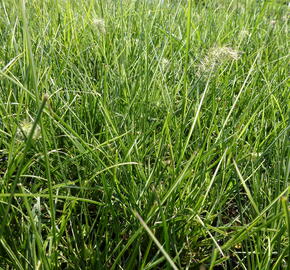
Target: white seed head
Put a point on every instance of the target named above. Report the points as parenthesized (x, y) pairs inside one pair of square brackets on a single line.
[(100, 25), (165, 63), (223, 54), (217, 56), (25, 128), (244, 34), (256, 155)]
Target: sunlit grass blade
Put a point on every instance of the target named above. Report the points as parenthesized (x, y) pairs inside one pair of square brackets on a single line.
[(152, 236)]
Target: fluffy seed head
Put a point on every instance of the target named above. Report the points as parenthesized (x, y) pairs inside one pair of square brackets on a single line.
[(216, 57), (24, 130), (100, 25), (244, 34), (165, 63)]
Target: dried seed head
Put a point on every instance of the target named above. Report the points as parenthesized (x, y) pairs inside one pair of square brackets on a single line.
[(100, 25), (24, 130), (165, 63), (216, 57), (244, 34)]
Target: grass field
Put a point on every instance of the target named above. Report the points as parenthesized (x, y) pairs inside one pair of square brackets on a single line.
[(144, 134)]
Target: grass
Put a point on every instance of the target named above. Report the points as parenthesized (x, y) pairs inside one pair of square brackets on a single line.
[(144, 134)]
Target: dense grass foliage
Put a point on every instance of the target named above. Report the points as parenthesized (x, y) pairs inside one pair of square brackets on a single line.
[(144, 134)]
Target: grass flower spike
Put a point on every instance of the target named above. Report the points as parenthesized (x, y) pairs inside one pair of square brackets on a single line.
[(25, 128), (216, 57), (165, 63), (100, 25)]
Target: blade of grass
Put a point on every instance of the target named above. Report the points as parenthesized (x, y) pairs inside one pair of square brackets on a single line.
[(152, 236), (11, 254), (286, 209), (246, 189), (21, 162)]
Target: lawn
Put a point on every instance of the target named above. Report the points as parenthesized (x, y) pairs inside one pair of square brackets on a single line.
[(144, 134)]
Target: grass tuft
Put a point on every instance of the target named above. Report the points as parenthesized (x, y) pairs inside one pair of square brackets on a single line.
[(144, 134)]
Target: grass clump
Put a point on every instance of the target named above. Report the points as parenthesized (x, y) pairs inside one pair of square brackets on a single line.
[(158, 135)]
